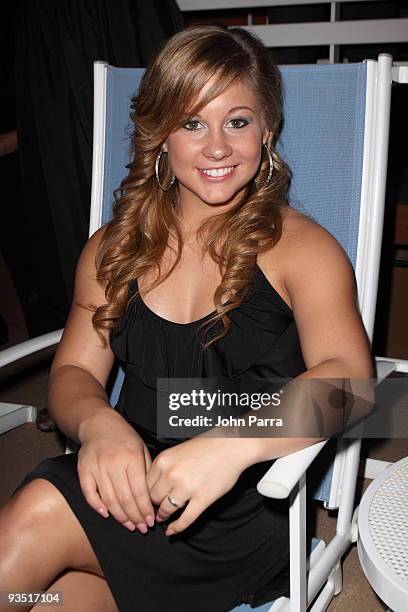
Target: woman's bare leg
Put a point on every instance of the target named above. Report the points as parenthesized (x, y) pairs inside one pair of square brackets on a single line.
[(40, 537), (82, 592)]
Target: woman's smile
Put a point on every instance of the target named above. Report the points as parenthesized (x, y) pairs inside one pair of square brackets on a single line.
[(216, 175)]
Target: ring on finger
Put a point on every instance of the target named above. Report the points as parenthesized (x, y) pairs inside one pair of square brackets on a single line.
[(174, 502)]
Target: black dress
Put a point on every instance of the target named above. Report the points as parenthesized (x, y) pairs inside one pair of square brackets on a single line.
[(238, 548)]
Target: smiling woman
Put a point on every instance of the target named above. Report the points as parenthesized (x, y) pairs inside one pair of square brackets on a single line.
[(204, 272), (224, 148)]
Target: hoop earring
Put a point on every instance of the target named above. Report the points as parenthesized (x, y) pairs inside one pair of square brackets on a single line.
[(157, 173), (271, 168)]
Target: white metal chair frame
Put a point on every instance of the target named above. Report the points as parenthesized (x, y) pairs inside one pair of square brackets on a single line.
[(287, 476)]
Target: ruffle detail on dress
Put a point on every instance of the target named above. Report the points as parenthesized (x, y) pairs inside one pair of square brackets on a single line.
[(262, 335)]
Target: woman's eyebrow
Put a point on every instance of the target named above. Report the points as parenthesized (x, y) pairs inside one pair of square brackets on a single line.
[(234, 108)]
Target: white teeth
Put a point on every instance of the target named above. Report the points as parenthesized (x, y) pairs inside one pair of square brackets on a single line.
[(218, 172)]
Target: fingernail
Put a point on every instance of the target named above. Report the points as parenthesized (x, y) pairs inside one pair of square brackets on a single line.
[(104, 512), (142, 527), (169, 532), (149, 520), (131, 526), (158, 519)]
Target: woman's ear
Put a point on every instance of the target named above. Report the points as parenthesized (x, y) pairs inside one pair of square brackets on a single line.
[(164, 148)]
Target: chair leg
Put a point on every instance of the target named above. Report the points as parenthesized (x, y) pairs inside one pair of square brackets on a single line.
[(325, 596), (336, 578), (297, 534), (332, 587)]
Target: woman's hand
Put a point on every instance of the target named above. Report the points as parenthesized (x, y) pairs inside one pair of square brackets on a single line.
[(112, 464), (197, 472)]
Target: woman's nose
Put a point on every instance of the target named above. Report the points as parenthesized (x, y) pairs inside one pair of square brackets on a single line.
[(217, 146)]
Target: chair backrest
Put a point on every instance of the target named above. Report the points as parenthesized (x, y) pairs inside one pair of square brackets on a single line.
[(334, 139)]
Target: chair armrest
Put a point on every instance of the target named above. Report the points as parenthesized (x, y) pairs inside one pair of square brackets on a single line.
[(286, 472), (28, 347), (386, 365)]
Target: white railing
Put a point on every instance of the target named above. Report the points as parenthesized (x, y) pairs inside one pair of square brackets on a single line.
[(331, 33), (363, 31), (210, 5)]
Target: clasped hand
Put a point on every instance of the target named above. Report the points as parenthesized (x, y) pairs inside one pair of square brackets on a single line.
[(196, 472), (117, 474)]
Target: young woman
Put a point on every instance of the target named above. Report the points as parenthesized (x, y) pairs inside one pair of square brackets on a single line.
[(204, 271)]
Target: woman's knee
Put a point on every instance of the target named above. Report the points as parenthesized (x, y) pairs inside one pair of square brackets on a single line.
[(35, 504), (29, 507), (33, 518)]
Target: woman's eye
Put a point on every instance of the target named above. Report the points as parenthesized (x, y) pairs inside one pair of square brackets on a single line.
[(190, 123), (244, 121), (194, 121)]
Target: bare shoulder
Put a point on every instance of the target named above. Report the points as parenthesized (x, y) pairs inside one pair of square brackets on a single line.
[(301, 235), (90, 249), (306, 248), (86, 285), (305, 251)]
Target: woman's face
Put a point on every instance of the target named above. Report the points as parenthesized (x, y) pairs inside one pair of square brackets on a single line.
[(226, 138)]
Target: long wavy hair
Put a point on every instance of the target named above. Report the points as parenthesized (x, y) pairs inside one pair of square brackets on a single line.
[(144, 215)]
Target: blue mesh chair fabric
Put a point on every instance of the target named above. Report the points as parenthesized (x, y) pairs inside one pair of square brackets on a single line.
[(325, 153), (121, 84)]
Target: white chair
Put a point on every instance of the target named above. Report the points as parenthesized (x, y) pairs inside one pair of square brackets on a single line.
[(338, 159)]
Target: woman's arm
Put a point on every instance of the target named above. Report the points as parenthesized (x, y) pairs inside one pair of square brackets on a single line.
[(81, 366), (112, 458), (319, 279)]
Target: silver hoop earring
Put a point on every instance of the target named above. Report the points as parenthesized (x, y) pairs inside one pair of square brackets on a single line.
[(157, 173), (271, 168)]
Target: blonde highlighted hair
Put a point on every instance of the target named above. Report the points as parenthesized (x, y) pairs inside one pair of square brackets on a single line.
[(144, 215)]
